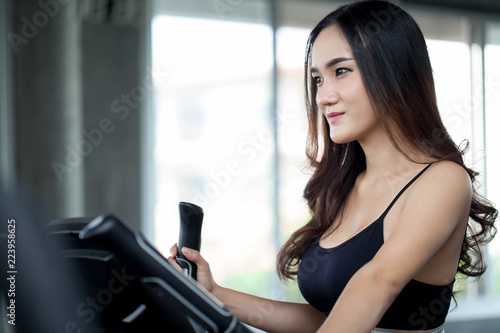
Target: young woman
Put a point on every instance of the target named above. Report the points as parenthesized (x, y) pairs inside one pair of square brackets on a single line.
[(394, 212)]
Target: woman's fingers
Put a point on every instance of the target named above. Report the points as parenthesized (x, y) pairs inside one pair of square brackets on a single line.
[(173, 250), (194, 256), (204, 275), (171, 260)]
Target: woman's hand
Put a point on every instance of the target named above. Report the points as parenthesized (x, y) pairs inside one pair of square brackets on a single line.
[(204, 274)]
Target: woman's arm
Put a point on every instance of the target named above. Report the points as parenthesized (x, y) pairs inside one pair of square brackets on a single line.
[(438, 204), (271, 316), (268, 315)]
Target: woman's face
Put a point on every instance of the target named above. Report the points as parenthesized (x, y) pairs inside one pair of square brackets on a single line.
[(341, 94)]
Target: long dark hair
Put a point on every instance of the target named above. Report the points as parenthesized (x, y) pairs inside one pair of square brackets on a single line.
[(391, 53)]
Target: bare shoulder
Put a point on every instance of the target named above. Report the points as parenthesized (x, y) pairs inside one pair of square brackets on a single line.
[(445, 181), (448, 173)]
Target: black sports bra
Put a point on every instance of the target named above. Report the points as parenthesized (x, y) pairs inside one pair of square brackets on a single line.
[(324, 273)]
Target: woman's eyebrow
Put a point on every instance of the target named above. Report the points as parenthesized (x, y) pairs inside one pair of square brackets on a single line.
[(331, 63)]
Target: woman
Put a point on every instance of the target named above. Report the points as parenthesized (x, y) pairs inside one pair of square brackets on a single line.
[(391, 199)]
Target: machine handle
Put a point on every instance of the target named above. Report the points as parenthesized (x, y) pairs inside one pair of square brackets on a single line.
[(191, 220)]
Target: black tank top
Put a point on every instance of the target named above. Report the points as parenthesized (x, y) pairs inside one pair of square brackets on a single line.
[(324, 273)]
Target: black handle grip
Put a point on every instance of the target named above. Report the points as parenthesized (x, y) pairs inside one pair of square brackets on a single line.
[(191, 219)]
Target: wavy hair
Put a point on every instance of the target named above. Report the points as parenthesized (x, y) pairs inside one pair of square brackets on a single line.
[(392, 56)]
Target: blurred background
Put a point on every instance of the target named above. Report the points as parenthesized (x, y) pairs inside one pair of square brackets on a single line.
[(131, 106)]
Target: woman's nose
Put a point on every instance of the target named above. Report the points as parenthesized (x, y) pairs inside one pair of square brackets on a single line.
[(326, 96)]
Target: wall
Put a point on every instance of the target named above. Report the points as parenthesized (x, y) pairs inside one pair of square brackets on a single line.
[(79, 78)]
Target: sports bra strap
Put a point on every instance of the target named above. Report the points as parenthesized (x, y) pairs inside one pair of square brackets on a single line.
[(402, 191)]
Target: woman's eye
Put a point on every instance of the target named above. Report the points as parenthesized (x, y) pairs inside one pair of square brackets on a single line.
[(317, 80), (341, 71)]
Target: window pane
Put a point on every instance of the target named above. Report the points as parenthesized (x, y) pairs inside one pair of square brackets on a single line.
[(454, 102), (214, 141), (492, 95), (291, 43)]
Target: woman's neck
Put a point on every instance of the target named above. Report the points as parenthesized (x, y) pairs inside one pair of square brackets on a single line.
[(383, 159)]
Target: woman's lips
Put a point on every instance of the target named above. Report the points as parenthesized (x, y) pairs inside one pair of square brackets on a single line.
[(334, 116)]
